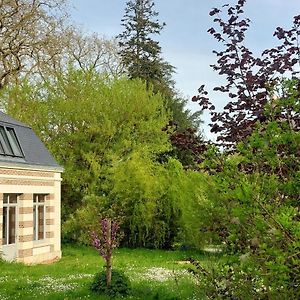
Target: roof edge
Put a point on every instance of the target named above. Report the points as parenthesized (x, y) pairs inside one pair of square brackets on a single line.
[(15, 124), (7, 119), (31, 167)]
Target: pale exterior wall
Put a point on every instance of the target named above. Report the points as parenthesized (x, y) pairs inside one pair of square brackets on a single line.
[(28, 182)]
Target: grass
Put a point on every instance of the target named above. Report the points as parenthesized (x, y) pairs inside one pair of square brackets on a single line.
[(154, 274)]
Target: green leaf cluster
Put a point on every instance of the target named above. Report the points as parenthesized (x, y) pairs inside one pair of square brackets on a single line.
[(254, 204)]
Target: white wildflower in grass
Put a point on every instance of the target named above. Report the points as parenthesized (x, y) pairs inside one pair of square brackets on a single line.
[(3, 279), (29, 281), (49, 284), (3, 297), (162, 274), (79, 276)]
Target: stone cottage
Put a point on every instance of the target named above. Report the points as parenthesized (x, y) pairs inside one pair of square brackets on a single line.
[(30, 181)]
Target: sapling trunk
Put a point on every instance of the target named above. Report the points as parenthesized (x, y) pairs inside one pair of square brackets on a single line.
[(108, 272), (109, 255)]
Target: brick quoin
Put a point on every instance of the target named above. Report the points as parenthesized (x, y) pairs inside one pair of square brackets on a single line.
[(26, 182), (49, 235), (25, 210), (25, 253), (25, 224), (26, 238), (26, 173)]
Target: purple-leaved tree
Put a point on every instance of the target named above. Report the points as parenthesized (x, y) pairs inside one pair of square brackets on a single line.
[(250, 79), (106, 242)]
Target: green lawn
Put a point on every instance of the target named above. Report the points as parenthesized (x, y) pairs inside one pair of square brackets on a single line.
[(154, 274)]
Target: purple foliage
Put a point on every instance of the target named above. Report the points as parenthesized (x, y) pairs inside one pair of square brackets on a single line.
[(108, 239), (250, 79)]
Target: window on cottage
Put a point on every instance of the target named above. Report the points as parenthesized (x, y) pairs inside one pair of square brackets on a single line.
[(1, 149), (9, 144), (39, 216), (9, 219), (14, 142)]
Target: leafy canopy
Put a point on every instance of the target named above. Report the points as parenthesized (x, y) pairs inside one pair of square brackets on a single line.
[(90, 123)]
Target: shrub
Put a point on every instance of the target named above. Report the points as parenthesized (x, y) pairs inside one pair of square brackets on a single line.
[(119, 286), (254, 209)]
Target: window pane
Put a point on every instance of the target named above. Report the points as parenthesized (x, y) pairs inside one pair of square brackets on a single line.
[(41, 218), (14, 142), (34, 222), (4, 226), (12, 225), (5, 142), (1, 148), (5, 198), (41, 198), (13, 198)]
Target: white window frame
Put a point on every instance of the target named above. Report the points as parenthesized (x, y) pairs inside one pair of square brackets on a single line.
[(36, 205), (9, 142), (9, 205)]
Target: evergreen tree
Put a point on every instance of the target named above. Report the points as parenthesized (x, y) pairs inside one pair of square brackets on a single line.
[(140, 54)]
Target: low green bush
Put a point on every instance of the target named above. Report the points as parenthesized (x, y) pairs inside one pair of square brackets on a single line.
[(120, 284)]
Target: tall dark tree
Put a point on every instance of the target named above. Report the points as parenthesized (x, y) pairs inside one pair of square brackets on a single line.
[(140, 53), (141, 56)]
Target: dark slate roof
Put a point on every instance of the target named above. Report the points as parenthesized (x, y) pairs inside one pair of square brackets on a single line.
[(35, 152), (9, 120)]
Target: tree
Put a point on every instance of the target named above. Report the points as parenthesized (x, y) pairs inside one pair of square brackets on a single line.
[(29, 36), (90, 52), (140, 54), (112, 283), (107, 133), (254, 209), (250, 80), (89, 123), (254, 203), (37, 41), (105, 244)]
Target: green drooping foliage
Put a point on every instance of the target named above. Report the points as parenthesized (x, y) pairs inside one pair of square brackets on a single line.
[(169, 205), (108, 136), (90, 123), (156, 203), (254, 209)]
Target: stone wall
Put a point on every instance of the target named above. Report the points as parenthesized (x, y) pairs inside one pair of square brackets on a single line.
[(26, 183)]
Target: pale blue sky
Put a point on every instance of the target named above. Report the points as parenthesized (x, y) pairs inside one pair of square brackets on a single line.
[(184, 40)]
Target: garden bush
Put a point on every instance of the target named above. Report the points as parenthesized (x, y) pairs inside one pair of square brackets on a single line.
[(119, 286), (254, 211), (254, 199)]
